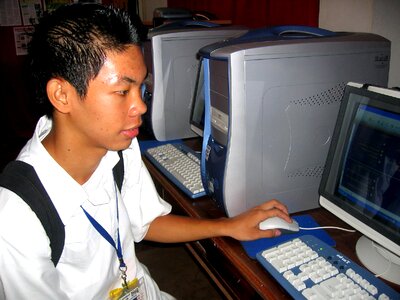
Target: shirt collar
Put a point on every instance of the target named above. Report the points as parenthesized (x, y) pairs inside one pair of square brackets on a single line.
[(66, 194)]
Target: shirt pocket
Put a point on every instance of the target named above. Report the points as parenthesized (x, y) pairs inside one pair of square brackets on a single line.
[(83, 244)]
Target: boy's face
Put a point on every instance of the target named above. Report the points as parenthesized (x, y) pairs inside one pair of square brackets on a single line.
[(110, 115)]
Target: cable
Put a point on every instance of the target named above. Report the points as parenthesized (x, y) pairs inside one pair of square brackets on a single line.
[(327, 227)]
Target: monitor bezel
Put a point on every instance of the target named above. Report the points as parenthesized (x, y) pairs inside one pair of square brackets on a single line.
[(370, 228), (195, 126)]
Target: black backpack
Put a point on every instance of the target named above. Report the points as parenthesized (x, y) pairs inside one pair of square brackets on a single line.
[(21, 178)]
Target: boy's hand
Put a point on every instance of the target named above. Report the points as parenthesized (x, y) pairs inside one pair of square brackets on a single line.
[(244, 227)]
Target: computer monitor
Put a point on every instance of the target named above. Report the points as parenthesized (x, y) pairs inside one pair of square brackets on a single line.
[(197, 111), (361, 180)]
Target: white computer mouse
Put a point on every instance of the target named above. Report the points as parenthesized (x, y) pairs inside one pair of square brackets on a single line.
[(278, 223)]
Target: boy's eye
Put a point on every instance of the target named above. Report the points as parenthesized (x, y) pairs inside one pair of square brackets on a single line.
[(123, 92)]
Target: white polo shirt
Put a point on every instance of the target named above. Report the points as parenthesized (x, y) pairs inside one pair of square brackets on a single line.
[(88, 267)]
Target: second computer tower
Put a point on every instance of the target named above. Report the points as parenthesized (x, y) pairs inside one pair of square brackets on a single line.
[(171, 58)]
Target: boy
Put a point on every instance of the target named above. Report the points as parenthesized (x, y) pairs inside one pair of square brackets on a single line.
[(87, 69)]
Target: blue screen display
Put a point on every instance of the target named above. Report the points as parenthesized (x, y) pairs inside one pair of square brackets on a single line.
[(370, 176)]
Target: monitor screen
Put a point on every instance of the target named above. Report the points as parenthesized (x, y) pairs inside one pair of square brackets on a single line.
[(361, 180), (197, 110)]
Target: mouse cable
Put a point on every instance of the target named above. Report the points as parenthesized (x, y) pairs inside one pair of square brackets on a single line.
[(327, 227)]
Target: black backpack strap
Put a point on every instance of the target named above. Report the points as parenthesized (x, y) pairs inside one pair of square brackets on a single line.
[(118, 171), (22, 179)]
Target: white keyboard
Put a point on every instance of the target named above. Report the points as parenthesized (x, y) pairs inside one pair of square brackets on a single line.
[(181, 165), (308, 268)]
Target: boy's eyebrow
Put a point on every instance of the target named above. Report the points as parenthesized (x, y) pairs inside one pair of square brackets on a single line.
[(128, 79)]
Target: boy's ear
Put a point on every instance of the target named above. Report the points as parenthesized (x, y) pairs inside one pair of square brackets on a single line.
[(60, 94)]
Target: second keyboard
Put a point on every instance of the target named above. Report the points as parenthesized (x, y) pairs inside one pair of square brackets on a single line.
[(180, 164)]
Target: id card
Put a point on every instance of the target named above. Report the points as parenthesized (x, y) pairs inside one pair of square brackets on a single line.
[(135, 290)]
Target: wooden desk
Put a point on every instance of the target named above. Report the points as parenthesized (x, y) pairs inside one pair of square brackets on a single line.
[(233, 271)]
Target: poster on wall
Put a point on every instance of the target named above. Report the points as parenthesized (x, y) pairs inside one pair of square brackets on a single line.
[(31, 11), (22, 38)]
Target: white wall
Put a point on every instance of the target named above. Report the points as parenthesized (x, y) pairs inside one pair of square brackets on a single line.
[(376, 16)]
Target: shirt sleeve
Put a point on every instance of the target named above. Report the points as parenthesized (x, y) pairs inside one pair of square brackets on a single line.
[(27, 271), (139, 194)]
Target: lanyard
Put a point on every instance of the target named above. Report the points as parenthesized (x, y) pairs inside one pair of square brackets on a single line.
[(100, 229)]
